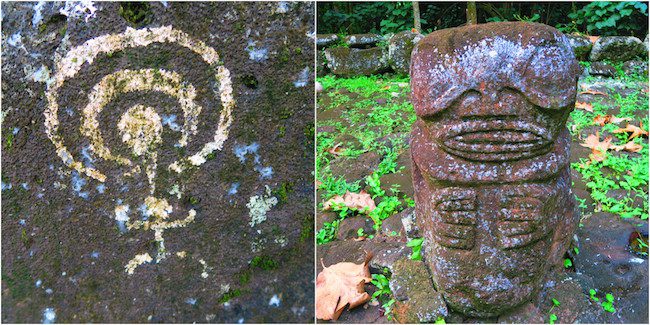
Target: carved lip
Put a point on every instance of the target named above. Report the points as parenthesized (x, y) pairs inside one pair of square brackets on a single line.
[(496, 140)]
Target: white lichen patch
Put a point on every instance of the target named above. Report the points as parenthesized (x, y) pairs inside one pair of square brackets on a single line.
[(259, 205), (303, 78), (137, 261), (204, 273), (78, 9), (49, 316)]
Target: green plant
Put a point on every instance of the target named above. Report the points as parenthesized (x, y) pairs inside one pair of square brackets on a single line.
[(611, 18), (383, 293), (592, 295), (608, 304), (416, 246), (567, 263)]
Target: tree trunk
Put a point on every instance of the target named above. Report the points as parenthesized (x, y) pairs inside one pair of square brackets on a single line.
[(416, 16), (471, 13)]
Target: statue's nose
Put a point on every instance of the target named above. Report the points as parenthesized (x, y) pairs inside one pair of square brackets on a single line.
[(503, 103)]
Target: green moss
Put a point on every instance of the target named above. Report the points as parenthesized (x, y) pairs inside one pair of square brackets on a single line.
[(282, 192), (137, 14), (245, 277), (10, 140), (264, 262), (19, 282), (229, 295), (249, 81), (307, 228)]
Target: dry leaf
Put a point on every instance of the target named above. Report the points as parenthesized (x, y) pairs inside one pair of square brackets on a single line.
[(593, 92), (336, 150), (586, 106), (598, 148), (339, 285), (593, 39), (357, 201), (605, 119), (635, 130), (630, 146)]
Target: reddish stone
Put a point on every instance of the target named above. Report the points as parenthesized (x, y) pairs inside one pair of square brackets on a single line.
[(490, 157)]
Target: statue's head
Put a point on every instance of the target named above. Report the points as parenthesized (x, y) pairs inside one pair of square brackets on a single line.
[(490, 151), (494, 92)]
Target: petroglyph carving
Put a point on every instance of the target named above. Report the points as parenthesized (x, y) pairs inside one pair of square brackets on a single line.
[(140, 126)]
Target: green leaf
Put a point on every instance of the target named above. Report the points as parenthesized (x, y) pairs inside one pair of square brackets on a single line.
[(552, 318), (567, 263), (555, 302)]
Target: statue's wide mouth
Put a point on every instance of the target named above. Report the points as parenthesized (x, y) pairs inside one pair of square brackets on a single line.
[(496, 140)]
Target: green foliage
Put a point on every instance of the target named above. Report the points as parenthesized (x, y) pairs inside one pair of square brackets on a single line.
[(592, 295), (416, 246), (552, 318), (608, 304), (567, 263), (383, 293), (440, 320), (607, 18)]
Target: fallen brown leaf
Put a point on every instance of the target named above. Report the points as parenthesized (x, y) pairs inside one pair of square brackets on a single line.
[(340, 285), (357, 201), (605, 119), (593, 92), (593, 39), (586, 106), (630, 146), (635, 130), (336, 150), (598, 148)]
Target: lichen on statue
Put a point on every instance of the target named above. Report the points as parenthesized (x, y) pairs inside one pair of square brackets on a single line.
[(490, 153)]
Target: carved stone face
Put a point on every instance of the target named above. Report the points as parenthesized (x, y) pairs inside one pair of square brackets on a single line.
[(485, 96), (490, 160)]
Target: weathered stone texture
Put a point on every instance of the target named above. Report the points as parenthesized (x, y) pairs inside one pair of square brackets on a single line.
[(348, 62), (400, 46), (363, 40), (581, 46), (69, 237), (325, 40), (490, 157), (617, 49)]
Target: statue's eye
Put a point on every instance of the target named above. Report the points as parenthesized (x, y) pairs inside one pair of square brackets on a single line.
[(470, 99)]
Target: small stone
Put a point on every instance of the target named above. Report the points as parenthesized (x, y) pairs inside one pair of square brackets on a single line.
[(349, 62), (363, 40), (617, 48), (417, 300), (581, 46), (325, 40), (602, 69), (636, 67), (399, 50)]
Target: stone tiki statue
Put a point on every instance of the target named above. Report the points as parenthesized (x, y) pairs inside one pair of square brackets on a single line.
[(490, 157)]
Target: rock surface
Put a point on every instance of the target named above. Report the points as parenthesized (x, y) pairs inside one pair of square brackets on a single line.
[(247, 253), (400, 46), (363, 40), (417, 300), (348, 62), (325, 40), (636, 67), (581, 46), (602, 69), (617, 49)]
